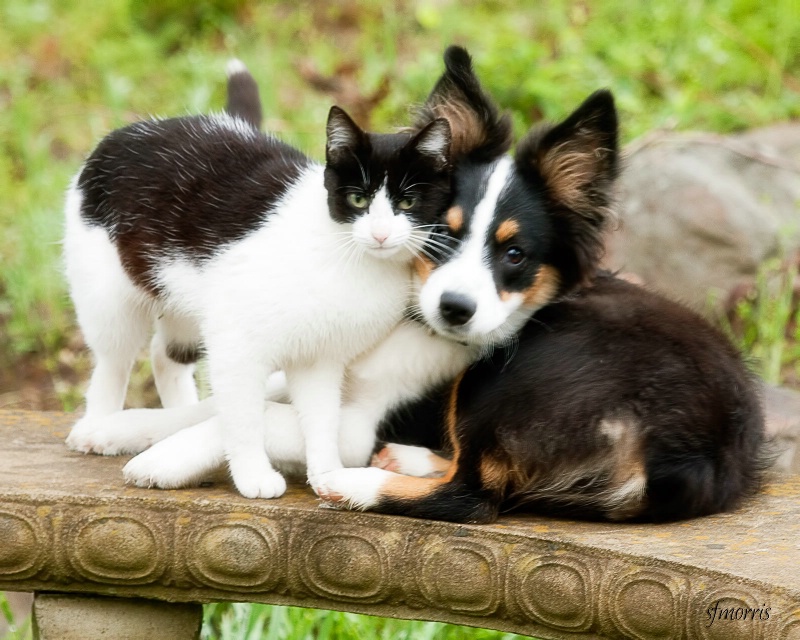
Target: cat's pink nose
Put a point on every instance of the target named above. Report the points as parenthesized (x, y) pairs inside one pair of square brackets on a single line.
[(380, 236)]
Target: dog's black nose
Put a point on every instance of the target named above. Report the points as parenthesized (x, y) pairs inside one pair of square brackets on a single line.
[(456, 308)]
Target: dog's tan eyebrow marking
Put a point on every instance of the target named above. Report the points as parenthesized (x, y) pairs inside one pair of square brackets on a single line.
[(544, 287), (455, 218), (506, 230), (423, 267)]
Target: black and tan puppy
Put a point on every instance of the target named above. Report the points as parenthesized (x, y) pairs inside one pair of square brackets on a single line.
[(608, 401)]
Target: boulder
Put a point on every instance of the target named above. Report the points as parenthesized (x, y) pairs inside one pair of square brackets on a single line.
[(701, 212)]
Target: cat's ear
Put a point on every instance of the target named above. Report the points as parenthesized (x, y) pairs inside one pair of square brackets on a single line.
[(344, 135), (433, 143)]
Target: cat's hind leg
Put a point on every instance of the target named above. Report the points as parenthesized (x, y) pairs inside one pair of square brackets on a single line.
[(174, 349), (134, 430), (114, 316), (183, 459)]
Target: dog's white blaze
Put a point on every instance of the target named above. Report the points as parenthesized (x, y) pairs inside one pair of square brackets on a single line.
[(469, 273)]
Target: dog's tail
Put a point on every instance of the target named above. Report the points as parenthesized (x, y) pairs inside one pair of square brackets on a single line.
[(243, 100), (685, 486)]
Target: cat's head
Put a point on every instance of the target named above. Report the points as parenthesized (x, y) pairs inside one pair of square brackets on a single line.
[(391, 188)]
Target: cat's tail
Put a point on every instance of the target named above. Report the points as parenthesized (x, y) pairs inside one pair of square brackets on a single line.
[(243, 100)]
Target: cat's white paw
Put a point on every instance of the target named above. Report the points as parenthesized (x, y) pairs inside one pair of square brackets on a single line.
[(270, 484), (111, 442), (254, 479), (80, 436), (103, 436), (157, 468), (355, 488), (408, 461)]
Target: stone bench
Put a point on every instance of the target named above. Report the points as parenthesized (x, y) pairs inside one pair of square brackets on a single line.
[(71, 531)]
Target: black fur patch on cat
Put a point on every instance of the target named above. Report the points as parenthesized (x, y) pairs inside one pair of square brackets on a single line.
[(183, 186), (185, 353), (409, 165)]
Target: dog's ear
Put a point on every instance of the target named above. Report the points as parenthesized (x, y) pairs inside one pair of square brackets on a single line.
[(433, 143), (479, 131), (577, 159), (344, 135), (576, 162)]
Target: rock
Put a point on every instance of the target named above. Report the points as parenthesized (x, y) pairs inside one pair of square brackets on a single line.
[(701, 212), (782, 408)]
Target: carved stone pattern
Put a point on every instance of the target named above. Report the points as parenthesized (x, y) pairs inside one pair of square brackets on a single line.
[(790, 630), (556, 591), (729, 597), (512, 582), (24, 543), (461, 575), (115, 546), (647, 603), (233, 554), (343, 563)]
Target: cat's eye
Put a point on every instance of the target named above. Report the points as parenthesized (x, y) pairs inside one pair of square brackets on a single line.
[(514, 256), (406, 203), (358, 200)]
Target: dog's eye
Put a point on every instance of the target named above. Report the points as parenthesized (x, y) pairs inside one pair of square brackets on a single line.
[(358, 200), (514, 256), (406, 203)]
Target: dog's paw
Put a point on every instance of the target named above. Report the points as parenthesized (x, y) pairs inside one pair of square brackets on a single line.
[(354, 488), (409, 461)]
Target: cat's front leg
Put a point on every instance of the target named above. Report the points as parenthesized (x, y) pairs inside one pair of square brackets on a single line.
[(238, 385), (316, 394)]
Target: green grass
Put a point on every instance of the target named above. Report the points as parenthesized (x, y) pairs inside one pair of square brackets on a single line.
[(17, 629), (264, 622), (72, 71)]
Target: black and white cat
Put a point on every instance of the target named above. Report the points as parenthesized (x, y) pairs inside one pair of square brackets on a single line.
[(233, 242), (410, 363)]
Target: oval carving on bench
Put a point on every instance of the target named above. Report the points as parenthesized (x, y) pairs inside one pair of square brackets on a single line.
[(464, 576), (648, 603), (117, 548), (20, 548), (555, 591), (233, 555), (726, 629), (345, 566)]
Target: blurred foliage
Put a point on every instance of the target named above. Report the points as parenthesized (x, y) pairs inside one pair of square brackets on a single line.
[(72, 71), (765, 321)]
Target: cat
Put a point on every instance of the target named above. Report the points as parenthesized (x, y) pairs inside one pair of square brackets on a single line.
[(234, 243), (407, 365)]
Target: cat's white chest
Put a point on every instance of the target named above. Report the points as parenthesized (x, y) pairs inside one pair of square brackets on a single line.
[(298, 283)]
